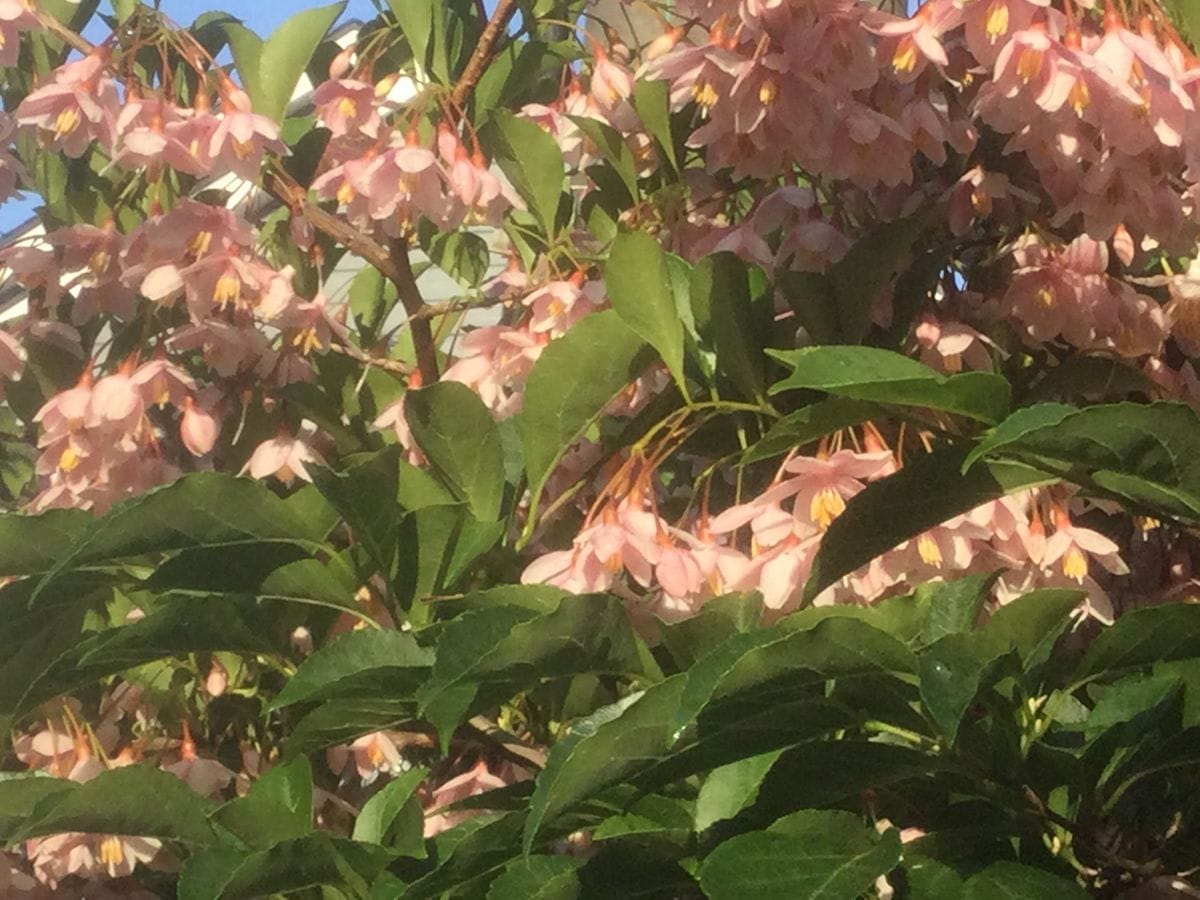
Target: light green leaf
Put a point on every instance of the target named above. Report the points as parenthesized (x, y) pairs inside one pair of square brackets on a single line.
[(382, 818), (881, 376), (278, 807), (731, 788), (573, 380), (639, 287), (532, 161), (286, 54)]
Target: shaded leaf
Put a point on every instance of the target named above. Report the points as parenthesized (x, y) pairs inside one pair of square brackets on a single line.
[(639, 287)]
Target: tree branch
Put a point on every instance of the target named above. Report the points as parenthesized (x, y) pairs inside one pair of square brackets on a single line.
[(392, 261), (482, 55)]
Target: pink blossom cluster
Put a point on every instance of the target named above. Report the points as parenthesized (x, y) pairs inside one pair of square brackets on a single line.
[(768, 543), (82, 107), (386, 177)]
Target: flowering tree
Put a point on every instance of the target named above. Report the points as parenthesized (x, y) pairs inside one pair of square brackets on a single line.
[(794, 499)]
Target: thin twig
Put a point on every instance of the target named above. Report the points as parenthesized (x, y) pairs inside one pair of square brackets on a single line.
[(392, 262), (482, 55)]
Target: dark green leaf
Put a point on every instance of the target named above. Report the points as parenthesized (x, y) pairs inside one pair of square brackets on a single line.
[(731, 788), (364, 495), (363, 663), (728, 320), (380, 815), (278, 807), (1010, 881), (860, 276), (538, 878), (1140, 639), (459, 437), (134, 800), (952, 671), (817, 855), (808, 424)]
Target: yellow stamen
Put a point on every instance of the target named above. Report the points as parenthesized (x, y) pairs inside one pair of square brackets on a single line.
[(1045, 297), (346, 193), (1029, 64), (929, 551), (905, 57), (767, 92), (347, 107), (242, 149), (99, 262), (1074, 564), (827, 504), (111, 852), (996, 24), (306, 340), (705, 95), (200, 243), (981, 202), (1079, 97), (228, 290), (66, 122), (69, 460)]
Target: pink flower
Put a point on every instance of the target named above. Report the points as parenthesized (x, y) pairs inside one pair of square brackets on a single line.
[(15, 17), (77, 108), (475, 781), (373, 754), (347, 105), (243, 137), (12, 357), (946, 346), (198, 428), (1073, 545), (283, 457)]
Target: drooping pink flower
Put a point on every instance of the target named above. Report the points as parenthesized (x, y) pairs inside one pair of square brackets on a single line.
[(284, 456), (346, 105), (78, 108), (373, 755), (198, 428), (243, 137), (476, 780)]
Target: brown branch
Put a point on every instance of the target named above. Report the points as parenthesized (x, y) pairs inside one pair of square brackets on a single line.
[(482, 55), (63, 33), (392, 262)]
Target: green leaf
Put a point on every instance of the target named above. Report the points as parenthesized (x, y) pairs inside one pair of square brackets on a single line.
[(952, 607), (487, 655), (1148, 454), (834, 648), (860, 276), (929, 879), (174, 628), (1032, 624), (286, 54), (532, 161), (364, 495), (1010, 881), (823, 773), (136, 800), (460, 439), (817, 855), (372, 298), (382, 818), (881, 376), (30, 545), (727, 319), (424, 25), (952, 672), (601, 750), (204, 509), (690, 639), (363, 663), (312, 861), (613, 148), (342, 720), (639, 288), (1140, 639), (731, 788), (808, 424), (278, 807), (1018, 425), (23, 792), (247, 48), (925, 493), (651, 100), (573, 380), (538, 878)]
